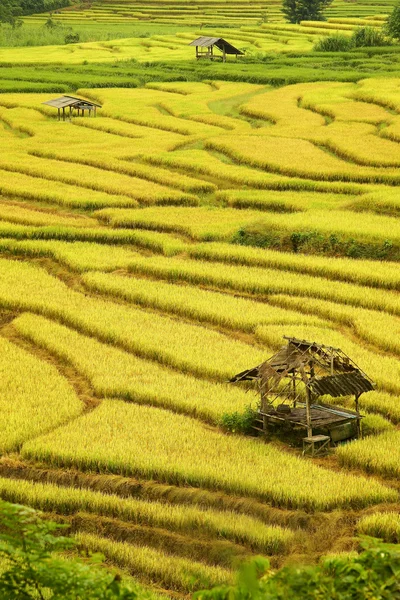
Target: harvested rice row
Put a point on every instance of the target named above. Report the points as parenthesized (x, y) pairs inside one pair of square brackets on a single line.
[(155, 566), (186, 519)]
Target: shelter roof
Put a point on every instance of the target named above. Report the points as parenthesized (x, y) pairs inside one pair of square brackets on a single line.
[(220, 43), (65, 101), (323, 369)]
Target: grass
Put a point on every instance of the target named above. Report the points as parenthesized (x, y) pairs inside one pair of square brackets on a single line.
[(375, 455), (207, 523), (194, 303), (115, 373), (169, 571), (156, 250), (185, 452), (149, 335), (34, 397), (383, 525)]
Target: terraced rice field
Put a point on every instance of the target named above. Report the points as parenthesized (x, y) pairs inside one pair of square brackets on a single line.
[(151, 253), (203, 12), (252, 29)]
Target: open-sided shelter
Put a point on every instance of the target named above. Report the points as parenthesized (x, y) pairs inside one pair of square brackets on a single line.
[(205, 48), (291, 381), (73, 103)]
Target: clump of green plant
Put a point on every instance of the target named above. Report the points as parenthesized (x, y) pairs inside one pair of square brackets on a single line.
[(333, 43), (72, 38), (32, 568), (374, 574), (362, 37), (239, 422), (393, 23)]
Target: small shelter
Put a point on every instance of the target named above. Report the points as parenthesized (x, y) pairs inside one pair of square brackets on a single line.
[(205, 48), (73, 103), (291, 381)]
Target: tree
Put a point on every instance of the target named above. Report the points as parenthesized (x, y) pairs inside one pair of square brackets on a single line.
[(32, 569), (393, 23), (374, 574), (304, 10), (9, 12)]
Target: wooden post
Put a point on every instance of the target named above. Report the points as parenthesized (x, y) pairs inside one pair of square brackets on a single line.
[(223, 54), (308, 413), (63, 113), (359, 433), (294, 387), (59, 116)]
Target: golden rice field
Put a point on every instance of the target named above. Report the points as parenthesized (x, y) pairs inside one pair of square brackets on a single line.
[(151, 253)]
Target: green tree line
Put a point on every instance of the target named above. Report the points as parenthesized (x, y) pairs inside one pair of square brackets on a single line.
[(12, 10)]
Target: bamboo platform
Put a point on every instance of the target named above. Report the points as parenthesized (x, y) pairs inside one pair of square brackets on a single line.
[(322, 416)]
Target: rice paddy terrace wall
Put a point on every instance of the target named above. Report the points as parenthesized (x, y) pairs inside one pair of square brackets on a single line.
[(152, 252)]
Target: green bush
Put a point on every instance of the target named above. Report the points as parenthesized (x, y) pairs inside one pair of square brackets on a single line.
[(369, 37), (374, 574), (393, 23), (32, 569), (239, 422), (362, 37), (334, 43)]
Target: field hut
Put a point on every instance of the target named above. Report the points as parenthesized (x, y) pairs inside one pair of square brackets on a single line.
[(73, 103), (292, 381), (205, 48)]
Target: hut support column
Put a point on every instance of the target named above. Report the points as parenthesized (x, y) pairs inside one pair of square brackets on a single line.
[(308, 413), (359, 434), (223, 55), (63, 113), (59, 116)]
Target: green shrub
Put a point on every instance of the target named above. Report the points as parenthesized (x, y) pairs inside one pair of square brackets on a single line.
[(72, 38), (239, 422), (393, 23), (334, 43), (373, 574), (362, 37), (32, 568), (369, 36)]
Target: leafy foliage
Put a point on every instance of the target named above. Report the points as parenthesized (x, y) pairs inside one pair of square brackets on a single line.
[(393, 23), (333, 43), (375, 573), (362, 37), (31, 568), (237, 422), (369, 37), (11, 10), (304, 10)]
